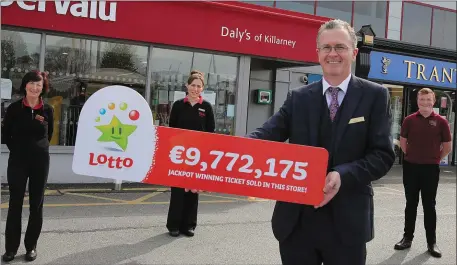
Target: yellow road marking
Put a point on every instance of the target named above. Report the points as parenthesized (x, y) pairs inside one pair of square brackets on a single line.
[(98, 190), (256, 199), (61, 191), (147, 189), (26, 198), (223, 197), (111, 203), (51, 192), (84, 190), (95, 197), (145, 197)]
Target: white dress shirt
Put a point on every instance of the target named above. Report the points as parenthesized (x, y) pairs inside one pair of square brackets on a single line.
[(343, 89)]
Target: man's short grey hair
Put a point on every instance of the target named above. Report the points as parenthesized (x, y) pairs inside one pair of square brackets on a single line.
[(338, 24)]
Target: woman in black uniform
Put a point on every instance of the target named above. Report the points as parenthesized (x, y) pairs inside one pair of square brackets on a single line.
[(191, 113), (27, 129)]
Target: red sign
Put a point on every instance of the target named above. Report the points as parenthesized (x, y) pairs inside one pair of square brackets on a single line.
[(116, 139), (220, 26), (240, 166)]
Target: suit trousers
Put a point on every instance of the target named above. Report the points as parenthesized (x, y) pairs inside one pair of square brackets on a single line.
[(423, 179), (182, 212), (20, 168), (314, 242)]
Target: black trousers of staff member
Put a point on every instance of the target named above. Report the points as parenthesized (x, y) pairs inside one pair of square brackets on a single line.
[(423, 179), (182, 213), (20, 168)]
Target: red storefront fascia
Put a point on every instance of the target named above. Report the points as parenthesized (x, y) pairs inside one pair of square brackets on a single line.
[(232, 27)]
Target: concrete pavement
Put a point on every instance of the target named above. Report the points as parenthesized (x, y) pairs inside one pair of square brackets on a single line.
[(232, 230), (448, 174)]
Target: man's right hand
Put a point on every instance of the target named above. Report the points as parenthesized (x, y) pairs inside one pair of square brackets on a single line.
[(193, 190)]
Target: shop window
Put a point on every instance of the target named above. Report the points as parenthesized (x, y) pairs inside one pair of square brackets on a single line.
[(335, 9), (396, 107), (374, 13), (299, 6), (79, 67), (20, 54), (170, 70), (444, 29), (417, 22)]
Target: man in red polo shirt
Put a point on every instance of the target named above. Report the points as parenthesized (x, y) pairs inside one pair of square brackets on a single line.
[(425, 139)]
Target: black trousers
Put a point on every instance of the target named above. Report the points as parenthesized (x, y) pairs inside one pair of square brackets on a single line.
[(182, 213), (20, 168), (314, 242), (423, 179)]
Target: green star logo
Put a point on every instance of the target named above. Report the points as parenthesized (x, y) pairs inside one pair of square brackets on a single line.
[(116, 132)]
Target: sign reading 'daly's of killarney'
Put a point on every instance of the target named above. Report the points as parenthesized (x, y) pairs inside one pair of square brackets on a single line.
[(116, 139)]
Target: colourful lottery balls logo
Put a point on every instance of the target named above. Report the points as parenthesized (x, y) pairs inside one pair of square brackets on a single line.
[(116, 131)]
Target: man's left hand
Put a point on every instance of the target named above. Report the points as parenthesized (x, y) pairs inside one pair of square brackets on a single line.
[(331, 188)]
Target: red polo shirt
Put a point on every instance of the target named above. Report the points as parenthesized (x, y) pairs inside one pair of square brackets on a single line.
[(425, 136)]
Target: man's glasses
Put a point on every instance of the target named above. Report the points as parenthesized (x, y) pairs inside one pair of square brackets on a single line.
[(338, 48)]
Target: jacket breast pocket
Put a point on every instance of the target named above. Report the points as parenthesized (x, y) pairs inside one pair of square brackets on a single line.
[(357, 126)]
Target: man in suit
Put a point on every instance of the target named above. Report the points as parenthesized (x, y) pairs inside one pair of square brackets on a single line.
[(350, 117)]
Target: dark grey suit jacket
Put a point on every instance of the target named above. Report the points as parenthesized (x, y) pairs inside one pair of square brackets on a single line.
[(363, 152)]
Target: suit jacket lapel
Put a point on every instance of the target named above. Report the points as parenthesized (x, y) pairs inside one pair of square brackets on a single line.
[(314, 109), (351, 101)]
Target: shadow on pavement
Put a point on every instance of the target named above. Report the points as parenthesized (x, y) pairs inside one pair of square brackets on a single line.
[(419, 259), (399, 257), (114, 254)]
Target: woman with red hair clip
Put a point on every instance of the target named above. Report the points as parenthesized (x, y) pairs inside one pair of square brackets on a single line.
[(27, 130)]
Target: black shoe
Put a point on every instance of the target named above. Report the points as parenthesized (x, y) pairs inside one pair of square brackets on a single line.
[(174, 233), (434, 250), (403, 244), (30, 255), (8, 256), (189, 233)]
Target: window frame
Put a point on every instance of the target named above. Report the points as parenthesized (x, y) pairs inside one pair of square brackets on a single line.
[(431, 17), (67, 149), (352, 14)]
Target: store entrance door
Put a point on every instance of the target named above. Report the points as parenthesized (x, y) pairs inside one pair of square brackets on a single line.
[(444, 106), (266, 93)]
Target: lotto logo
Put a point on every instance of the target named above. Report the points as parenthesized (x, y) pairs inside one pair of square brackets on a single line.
[(115, 135)]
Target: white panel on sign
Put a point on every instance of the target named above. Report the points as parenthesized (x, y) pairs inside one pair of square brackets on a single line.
[(209, 96), (6, 89), (115, 138), (179, 95)]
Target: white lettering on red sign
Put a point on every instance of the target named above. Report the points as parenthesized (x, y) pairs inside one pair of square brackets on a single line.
[(86, 9), (245, 35)]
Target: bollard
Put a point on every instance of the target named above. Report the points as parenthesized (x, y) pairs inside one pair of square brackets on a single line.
[(117, 184)]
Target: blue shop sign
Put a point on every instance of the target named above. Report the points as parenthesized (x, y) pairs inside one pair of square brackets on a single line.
[(314, 78), (406, 69)]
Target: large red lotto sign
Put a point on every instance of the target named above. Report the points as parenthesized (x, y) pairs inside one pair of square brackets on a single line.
[(135, 150), (240, 166)]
